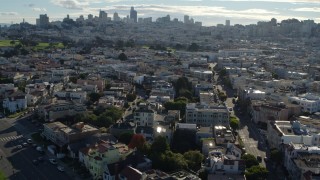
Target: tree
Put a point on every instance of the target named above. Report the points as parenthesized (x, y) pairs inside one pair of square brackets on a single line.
[(193, 47), (2, 176), (234, 123), (73, 79), (131, 97), (185, 93), (137, 141), (125, 137), (180, 105), (94, 97), (194, 159), (122, 57), (222, 96), (256, 173), (250, 160), (104, 121), (160, 145), (173, 161), (276, 156)]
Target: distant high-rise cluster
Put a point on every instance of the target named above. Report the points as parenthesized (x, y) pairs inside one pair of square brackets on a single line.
[(228, 23), (133, 15), (43, 20)]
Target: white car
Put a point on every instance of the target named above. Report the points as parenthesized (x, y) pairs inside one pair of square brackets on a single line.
[(60, 168), (53, 161), (29, 141)]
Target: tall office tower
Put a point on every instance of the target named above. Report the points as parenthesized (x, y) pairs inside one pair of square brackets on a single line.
[(133, 14), (228, 23), (103, 15), (116, 17), (186, 19), (43, 20)]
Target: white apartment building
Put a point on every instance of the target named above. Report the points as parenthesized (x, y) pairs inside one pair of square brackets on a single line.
[(308, 102), (304, 131), (81, 95), (144, 117), (301, 161), (219, 162), (207, 115), (238, 52), (252, 94), (14, 102)]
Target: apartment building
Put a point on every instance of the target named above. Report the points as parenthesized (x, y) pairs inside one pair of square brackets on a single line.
[(14, 102), (219, 162), (97, 157), (302, 162), (61, 134), (309, 102), (304, 131), (144, 117), (207, 115)]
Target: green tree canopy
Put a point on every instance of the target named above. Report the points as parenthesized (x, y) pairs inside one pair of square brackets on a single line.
[(250, 160), (131, 97), (194, 159), (234, 123), (125, 137), (122, 57), (256, 173), (160, 145), (275, 155), (2, 176), (94, 97)]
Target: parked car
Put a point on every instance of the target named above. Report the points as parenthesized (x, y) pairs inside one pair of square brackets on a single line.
[(25, 144), (40, 150), (60, 168), (53, 161), (259, 158), (29, 141), (19, 146)]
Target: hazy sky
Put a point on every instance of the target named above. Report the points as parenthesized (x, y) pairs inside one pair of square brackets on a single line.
[(210, 12)]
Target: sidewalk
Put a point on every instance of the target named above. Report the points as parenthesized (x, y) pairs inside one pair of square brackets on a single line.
[(67, 169), (5, 165)]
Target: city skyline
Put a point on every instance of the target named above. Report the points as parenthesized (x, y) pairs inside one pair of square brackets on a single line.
[(208, 12)]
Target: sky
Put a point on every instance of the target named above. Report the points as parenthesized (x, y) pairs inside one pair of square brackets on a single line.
[(209, 12)]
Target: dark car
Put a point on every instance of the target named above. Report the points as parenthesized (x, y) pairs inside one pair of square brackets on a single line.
[(259, 158)]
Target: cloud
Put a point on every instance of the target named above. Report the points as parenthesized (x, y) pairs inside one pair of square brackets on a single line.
[(39, 9), (69, 4), (74, 4), (280, 1), (8, 13), (30, 5), (307, 9)]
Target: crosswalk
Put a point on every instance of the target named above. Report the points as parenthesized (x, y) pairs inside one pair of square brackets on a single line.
[(9, 138)]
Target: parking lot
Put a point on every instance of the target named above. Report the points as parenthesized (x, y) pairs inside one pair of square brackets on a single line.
[(20, 159)]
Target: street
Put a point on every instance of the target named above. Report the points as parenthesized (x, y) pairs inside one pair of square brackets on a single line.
[(253, 140), (17, 163)]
